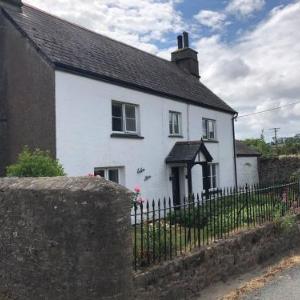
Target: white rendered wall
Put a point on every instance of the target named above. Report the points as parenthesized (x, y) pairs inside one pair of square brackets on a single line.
[(247, 170), (83, 129)]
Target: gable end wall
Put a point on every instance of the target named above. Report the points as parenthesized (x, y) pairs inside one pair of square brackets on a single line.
[(27, 98)]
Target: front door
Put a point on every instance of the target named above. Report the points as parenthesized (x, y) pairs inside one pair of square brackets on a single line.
[(176, 185)]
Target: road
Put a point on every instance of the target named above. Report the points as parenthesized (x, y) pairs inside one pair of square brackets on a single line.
[(285, 287)]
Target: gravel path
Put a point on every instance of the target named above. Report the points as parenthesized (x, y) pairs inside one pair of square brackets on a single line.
[(284, 287)]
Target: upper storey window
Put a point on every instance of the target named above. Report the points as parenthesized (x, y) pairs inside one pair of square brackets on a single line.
[(175, 123), (209, 129), (124, 117)]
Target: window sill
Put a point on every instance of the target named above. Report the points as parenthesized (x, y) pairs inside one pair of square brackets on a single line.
[(176, 136), (210, 141), (126, 136)]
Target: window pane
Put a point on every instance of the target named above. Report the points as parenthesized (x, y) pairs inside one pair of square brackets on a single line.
[(113, 175), (204, 128), (117, 110), (130, 125), (100, 173), (170, 122), (214, 182), (117, 124), (213, 168), (211, 129), (130, 111), (171, 128), (176, 123)]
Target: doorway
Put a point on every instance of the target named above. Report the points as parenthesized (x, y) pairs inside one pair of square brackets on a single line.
[(176, 185)]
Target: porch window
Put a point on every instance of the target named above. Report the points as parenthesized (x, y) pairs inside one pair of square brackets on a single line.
[(211, 178), (124, 117), (111, 174), (209, 129), (174, 123)]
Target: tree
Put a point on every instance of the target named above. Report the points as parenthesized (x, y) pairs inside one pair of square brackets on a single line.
[(36, 163), (261, 146)]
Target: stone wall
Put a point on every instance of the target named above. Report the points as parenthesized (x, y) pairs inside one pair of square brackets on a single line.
[(64, 239), (277, 170), (184, 278)]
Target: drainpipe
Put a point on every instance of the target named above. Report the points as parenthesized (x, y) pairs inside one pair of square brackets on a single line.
[(188, 121), (234, 148)]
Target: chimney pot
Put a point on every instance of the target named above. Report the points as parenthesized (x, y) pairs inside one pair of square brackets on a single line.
[(186, 39), (180, 43)]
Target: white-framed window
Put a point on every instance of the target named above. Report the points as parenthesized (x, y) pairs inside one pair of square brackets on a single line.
[(175, 125), (124, 117), (212, 176), (209, 129), (112, 174)]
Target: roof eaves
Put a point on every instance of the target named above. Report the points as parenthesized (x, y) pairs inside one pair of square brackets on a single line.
[(77, 71)]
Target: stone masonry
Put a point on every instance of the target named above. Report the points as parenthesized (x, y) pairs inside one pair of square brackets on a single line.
[(277, 170), (184, 278), (64, 239)]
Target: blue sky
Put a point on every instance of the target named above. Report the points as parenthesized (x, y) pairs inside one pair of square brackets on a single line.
[(248, 50)]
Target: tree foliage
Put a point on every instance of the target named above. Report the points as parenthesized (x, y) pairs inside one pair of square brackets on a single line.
[(285, 146), (260, 145), (36, 163)]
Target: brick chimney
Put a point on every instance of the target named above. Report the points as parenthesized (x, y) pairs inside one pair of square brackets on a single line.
[(185, 57), (11, 3)]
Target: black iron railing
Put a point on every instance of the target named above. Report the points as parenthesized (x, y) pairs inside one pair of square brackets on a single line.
[(162, 231)]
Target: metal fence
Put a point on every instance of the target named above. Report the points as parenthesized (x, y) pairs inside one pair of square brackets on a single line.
[(162, 231)]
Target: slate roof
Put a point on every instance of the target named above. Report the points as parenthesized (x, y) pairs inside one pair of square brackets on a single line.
[(244, 150), (73, 48), (186, 152)]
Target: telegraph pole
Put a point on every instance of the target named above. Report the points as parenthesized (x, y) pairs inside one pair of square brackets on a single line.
[(275, 137)]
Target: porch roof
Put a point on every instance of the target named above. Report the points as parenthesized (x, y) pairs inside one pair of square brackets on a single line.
[(186, 152)]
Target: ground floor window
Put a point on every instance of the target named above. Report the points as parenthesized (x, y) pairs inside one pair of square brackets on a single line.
[(210, 176), (112, 174)]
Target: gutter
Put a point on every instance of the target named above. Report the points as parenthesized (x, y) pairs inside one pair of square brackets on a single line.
[(234, 148)]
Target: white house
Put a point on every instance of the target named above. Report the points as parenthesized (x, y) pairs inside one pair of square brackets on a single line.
[(247, 164), (102, 106)]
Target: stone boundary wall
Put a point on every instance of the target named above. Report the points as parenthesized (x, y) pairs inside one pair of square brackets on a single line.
[(184, 278), (65, 239), (274, 170)]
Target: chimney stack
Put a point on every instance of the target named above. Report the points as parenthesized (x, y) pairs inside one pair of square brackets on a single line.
[(185, 57), (11, 3)]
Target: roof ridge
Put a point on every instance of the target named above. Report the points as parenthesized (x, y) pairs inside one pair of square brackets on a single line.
[(94, 32)]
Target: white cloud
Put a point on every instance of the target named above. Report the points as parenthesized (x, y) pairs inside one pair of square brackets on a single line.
[(259, 71), (137, 22), (213, 19), (244, 7)]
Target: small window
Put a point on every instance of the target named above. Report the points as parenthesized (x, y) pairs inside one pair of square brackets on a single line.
[(111, 174), (174, 123), (211, 176), (124, 117), (209, 129)]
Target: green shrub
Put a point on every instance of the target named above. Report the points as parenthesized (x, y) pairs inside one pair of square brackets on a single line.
[(156, 240), (35, 163)]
